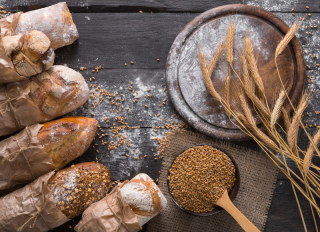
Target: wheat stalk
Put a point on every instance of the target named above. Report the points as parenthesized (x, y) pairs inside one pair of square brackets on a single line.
[(215, 58), (277, 108), (310, 151), (206, 77), (287, 38), (253, 67), (226, 94), (230, 39)]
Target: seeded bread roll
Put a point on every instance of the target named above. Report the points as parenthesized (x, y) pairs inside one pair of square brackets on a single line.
[(144, 197), (67, 139), (77, 187)]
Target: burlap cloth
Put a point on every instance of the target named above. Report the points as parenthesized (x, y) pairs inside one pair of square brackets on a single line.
[(258, 176)]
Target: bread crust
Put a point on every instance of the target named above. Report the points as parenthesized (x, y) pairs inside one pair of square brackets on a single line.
[(67, 139), (144, 197), (77, 187)]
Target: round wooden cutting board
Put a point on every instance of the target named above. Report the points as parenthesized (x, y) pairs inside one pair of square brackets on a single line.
[(206, 32)]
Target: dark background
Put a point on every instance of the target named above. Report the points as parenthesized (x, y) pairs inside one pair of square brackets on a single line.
[(114, 32)]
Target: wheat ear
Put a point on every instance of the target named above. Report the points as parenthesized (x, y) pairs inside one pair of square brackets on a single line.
[(277, 108), (287, 38), (215, 58), (249, 88), (292, 133), (286, 118), (253, 67), (251, 124), (206, 77), (310, 151), (230, 39)]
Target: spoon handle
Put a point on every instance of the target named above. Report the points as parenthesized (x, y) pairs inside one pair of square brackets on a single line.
[(226, 203)]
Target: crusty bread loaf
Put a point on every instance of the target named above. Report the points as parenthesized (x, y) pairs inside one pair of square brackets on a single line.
[(54, 21), (58, 91), (144, 197), (30, 53), (43, 97), (45, 148), (77, 187), (67, 139)]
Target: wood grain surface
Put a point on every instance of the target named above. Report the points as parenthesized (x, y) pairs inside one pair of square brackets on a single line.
[(113, 33)]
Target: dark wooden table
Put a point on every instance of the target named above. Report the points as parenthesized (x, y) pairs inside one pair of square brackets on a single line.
[(115, 32)]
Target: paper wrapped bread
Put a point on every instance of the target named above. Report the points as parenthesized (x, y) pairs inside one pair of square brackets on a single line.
[(54, 198), (43, 97), (41, 148), (135, 202), (144, 197), (30, 54), (54, 21)]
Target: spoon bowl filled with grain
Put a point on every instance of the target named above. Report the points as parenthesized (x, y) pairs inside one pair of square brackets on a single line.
[(199, 176)]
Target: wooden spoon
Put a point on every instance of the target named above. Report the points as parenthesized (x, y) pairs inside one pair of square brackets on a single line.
[(225, 202)]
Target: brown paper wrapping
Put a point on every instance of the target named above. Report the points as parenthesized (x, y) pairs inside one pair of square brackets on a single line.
[(98, 217), (9, 24), (32, 206), (8, 72), (16, 108), (22, 159)]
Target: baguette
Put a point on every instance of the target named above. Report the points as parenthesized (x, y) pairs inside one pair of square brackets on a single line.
[(42, 148), (43, 97), (54, 21), (77, 187), (30, 53)]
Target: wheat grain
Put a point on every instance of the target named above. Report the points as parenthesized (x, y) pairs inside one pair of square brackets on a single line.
[(287, 38), (206, 77), (215, 58), (252, 64), (230, 39), (277, 108), (310, 151)]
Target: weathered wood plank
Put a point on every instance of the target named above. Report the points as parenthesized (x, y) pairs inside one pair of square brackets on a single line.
[(121, 6), (284, 213), (113, 39), (161, 6)]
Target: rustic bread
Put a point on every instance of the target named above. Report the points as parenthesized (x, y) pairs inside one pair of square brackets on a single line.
[(77, 187), (67, 139), (144, 197), (43, 97), (39, 149), (54, 21), (58, 91), (30, 53)]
